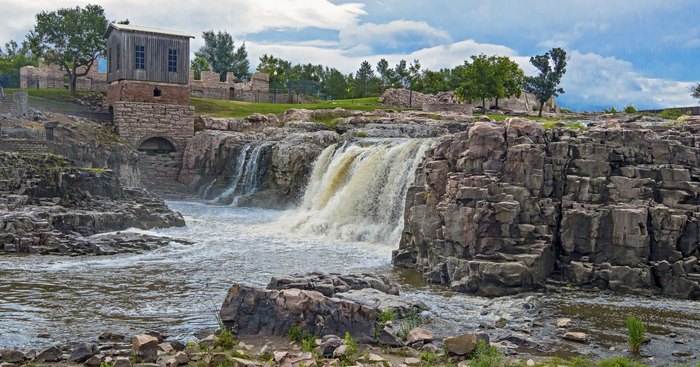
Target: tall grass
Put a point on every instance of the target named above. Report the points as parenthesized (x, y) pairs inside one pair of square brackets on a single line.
[(635, 330)]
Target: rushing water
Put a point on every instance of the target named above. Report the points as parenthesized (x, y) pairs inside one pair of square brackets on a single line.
[(349, 221)]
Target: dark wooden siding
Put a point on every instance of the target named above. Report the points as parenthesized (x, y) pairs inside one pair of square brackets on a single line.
[(156, 61)]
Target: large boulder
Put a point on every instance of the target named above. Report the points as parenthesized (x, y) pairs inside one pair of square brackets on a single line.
[(254, 311)]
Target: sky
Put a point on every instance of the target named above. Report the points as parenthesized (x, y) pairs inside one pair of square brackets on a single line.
[(620, 52)]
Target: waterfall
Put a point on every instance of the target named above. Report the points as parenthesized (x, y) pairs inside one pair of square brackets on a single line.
[(357, 191), (248, 173)]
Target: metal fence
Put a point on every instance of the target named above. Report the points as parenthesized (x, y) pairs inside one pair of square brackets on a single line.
[(279, 96)]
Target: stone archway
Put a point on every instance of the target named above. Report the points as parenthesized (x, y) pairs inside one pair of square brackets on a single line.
[(156, 145)]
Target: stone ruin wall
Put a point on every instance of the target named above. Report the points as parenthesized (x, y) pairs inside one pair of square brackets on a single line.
[(137, 91), (18, 106), (210, 86), (52, 76), (447, 101)]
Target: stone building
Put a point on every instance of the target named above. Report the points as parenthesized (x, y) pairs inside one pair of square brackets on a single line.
[(148, 94), (209, 85)]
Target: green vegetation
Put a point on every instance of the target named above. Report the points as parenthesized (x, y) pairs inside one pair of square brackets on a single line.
[(387, 315), (411, 321), (695, 91), (220, 54), (630, 109), (574, 125), (671, 114), (485, 355), (361, 134), (225, 108), (70, 37), (351, 353), (565, 110), (635, 331), (489, 77), (620, 362), (225, 340), (546, 85)]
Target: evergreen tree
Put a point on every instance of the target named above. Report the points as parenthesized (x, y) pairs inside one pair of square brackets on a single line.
[(363, 79), (222, 56), (695, 91)]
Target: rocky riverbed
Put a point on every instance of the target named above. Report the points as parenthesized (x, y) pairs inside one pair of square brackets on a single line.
[(48, 205)]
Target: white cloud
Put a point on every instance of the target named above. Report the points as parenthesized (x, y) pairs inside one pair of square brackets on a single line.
[(579, 30), (394, 35), (595, 80)]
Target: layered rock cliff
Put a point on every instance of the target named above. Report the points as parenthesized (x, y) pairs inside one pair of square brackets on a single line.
[(505, 207)]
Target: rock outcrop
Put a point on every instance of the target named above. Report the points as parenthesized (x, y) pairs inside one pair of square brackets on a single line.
[(48, 205), (253, 311), (503, 207)]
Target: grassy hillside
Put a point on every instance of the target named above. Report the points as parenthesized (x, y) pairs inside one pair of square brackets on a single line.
[(225, 108)]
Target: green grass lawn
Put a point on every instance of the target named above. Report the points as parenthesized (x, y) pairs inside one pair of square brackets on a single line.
[(225, 108)]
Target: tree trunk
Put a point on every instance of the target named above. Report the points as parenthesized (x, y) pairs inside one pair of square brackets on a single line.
[(541, 107), (483, 104), (73, 81), (496, 102)]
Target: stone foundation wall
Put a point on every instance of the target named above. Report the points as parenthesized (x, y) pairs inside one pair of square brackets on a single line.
[(138, 121), (135, 91), (26, 146), (210, 86), (51, 76)]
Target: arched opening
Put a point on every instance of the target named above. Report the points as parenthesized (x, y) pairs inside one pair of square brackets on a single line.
[(156, 145), (157, 92)]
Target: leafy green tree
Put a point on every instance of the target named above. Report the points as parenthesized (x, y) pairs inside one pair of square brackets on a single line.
[(70, 37), (630, 109), (278, 70), (480, 79), (695, 91), (546, 84), (335, 84), (13, 58), (508, 79), (434, 81), (198, 65), (222, 56)]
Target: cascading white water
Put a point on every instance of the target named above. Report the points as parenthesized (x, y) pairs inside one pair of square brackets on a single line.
[(247, 173), (238, 170), (357, 191)]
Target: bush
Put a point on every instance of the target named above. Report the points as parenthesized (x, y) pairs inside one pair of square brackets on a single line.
[(611, 110), (361, 134), (225, 340), (635, 329), (387, 315), (630, 109), (485, 355), (408, 323), (671, 114), (565, 110)]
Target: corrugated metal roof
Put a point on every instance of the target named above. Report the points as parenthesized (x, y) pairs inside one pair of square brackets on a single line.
[(138, 28)]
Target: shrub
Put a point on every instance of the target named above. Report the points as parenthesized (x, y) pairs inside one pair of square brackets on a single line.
[(635, 329), (411, 321), (351, 343), (485, 355), (630, 109), (387, 315), (611, 110), (565, 110), (361, 134), (671, 114), (225, 340)]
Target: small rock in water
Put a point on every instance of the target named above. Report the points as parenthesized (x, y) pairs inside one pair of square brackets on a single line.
[(681, 341), (501, 323), (146, 347), (578, 337), (83, 352), (682, 353), (563, 322), (51, 354)]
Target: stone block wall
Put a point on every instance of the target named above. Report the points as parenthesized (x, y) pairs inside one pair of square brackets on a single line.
[(52, 76), (139, 121), (210, 86), (135, 91), (18, 106), (26, 146)]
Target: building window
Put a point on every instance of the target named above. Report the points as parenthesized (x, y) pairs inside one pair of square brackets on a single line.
[(172, 60), (119, 57), (140, 62)]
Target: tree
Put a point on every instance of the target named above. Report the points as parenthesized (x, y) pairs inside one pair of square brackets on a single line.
[(12, 58), (695, 91), (222, 56), (480, 79), (363, 79), (270, 64), (386, 74), (198, 65), (546, 85), (508, 78), (70, 37)]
